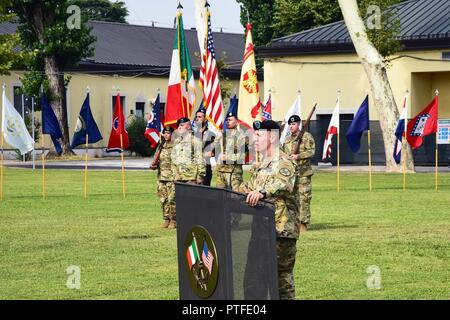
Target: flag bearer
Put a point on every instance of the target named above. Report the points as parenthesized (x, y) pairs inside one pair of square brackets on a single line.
[(303, 172), (166, 186)]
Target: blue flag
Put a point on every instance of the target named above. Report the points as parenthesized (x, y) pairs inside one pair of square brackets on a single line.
[(399, 133), (359, 124), (153, 130), (86, 126), (231, 109), (50, 124)]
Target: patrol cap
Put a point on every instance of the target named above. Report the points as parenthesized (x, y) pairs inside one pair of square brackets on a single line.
[(266, 125), (293, 119), (183, 120), (167, 129)]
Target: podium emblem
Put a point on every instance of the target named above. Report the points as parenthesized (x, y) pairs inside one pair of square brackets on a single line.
[(201, 262)]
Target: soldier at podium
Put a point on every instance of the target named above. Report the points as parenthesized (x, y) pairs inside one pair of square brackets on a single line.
[(274, 179)]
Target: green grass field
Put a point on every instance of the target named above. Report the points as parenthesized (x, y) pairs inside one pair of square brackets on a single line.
[(123, 253)]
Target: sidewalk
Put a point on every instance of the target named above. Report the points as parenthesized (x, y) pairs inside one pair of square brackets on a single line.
[(144, 163)]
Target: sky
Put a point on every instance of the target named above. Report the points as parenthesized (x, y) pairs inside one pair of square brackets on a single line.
[(224, 13)]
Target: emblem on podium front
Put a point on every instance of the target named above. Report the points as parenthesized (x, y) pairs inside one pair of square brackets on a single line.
[(201, 262)]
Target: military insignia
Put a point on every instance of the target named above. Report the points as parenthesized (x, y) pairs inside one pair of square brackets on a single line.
[(257, 125), (285, 172), (81, 124), (201, 262), (250, 82)]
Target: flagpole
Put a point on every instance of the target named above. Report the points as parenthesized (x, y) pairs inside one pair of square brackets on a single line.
[(32, 129), (86, 160), (43, 165), (370, 161), (405, 141), (23, 118), (2, 141), (338, 143), (185, 109), (437, 136)]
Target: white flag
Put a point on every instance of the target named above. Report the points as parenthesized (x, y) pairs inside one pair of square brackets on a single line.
[(294, 110), (14, 129), (333, 128), (200, 19)]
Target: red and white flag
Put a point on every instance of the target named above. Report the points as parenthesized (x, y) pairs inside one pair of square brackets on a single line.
[(209, 81), (423, 124), (333, 128)]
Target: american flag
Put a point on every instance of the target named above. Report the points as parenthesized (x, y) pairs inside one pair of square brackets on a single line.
[(207, 257), (153, 130), (209, 81)]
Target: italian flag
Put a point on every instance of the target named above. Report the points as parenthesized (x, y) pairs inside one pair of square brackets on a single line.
[(181, 90), (192, 254)]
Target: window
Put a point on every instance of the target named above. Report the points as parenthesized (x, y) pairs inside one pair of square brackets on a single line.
[(18, 101), (140, 107)]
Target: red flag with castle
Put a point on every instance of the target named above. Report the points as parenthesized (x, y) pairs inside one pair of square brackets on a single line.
[(423, 124), (249, 109)]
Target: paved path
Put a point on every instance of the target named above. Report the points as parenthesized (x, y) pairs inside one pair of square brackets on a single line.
[(144, 163)]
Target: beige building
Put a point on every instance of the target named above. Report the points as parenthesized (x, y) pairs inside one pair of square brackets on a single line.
[(321, 61), (136, 61)]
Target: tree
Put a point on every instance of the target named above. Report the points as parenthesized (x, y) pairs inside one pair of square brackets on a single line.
[(260, 15), (10, 57), (51, 32), (102, 10), (291, 16), (375, 68)]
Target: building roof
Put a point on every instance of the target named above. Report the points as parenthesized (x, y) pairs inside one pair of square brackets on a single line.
[(122, 46), (425, 24)]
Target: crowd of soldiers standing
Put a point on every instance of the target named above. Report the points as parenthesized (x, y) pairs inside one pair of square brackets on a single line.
[(281, 174)]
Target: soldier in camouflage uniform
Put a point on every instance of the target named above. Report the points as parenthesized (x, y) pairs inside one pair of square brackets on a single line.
[(274, 179), (304, 172), (232, 143), (187, 155), (166, 186)]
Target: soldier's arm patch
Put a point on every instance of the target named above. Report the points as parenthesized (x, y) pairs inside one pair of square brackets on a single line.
[(285, 172)]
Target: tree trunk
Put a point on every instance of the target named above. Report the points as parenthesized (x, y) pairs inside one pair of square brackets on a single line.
[(38, 19), (381, 89)]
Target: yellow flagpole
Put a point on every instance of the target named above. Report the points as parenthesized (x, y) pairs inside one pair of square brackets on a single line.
[(123, 166), (437, 138), (2, 143), (1, 165), (437, 171), (86, 167), (338, 144), (43, 167), (370, 161)]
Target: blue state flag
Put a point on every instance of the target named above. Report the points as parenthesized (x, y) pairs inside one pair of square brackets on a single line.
[(359, 124), (50, 124), (232, 109), (86, 125)]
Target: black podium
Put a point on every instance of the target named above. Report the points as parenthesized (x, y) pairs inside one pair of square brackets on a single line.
[(226, 249)]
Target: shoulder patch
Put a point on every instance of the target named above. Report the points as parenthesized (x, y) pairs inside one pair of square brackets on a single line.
[(285, 172)]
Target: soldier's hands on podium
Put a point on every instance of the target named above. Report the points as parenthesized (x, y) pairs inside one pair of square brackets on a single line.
[(199, 181), (253, 197)]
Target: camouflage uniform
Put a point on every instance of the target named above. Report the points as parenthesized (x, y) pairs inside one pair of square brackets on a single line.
[(187, 157), (278, 180), (229, 173), (304, 173), (166, 187)]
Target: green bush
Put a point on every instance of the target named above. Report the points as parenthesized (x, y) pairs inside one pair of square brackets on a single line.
[(139, 145)]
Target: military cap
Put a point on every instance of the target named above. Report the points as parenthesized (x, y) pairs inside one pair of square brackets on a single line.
[(167, 129), (293, 119), (183, 120), (266, 125), (201, 110), (231, 114)]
